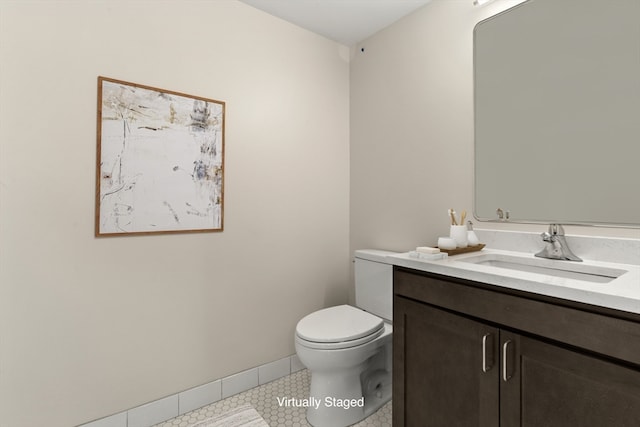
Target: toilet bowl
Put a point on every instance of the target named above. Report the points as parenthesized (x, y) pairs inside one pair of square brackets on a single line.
[(348, 349)]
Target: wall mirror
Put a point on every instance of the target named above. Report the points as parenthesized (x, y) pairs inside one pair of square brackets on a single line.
[(557, 113)]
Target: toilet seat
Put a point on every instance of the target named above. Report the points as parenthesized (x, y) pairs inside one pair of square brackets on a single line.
[(338, 327)]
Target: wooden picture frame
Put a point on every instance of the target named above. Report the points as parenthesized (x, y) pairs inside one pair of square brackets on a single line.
[(160, 161)]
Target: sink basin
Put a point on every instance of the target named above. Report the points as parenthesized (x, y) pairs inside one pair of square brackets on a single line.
[(548, 267)]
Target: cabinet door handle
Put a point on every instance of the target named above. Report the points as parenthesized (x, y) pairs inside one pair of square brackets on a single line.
[(487, 363), (505, 352)]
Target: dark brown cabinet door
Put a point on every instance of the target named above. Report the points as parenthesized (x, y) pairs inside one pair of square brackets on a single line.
[(547, 385), (446, 368)]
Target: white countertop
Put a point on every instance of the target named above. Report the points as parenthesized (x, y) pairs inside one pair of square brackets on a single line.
[(622, 293)]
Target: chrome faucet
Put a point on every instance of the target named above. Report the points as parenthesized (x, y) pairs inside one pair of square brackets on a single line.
[(556, 246)]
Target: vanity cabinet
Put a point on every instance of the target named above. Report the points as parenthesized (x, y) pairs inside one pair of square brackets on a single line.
[(471, 354)]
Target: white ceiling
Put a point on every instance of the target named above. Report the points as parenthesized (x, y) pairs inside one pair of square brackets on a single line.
[(345, 21)]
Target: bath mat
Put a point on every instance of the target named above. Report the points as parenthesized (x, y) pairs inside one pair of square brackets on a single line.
[(242, 416)]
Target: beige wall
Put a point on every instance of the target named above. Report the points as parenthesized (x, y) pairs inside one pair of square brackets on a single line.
[(412, 128), (90, 327)]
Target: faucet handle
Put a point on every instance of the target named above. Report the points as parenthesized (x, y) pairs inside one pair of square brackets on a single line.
[(547, 236)]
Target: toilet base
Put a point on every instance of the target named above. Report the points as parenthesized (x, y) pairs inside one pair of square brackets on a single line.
[(353, 404), (349, 384)]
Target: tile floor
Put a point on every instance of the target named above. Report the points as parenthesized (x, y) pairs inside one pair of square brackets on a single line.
[(264, 400)]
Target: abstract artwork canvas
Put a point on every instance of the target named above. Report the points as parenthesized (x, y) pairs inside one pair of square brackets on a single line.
[(160, 161)]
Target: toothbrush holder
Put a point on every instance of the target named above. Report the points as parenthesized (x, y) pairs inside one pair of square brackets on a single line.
[(459, 234)]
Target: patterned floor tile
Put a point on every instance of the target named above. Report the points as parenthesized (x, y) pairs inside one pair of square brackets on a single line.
[(265, 400)]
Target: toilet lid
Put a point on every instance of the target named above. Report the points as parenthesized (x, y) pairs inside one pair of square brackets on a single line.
[(338, 324)]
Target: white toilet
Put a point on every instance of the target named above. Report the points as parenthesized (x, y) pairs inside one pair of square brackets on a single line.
[(348, 349)]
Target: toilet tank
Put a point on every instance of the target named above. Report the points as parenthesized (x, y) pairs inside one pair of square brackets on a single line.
[(374, 282)]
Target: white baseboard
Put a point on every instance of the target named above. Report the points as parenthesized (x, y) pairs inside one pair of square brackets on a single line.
[(180, 403)]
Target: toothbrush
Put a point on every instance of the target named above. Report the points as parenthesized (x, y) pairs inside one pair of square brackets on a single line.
[(452, 214), (463, 215)]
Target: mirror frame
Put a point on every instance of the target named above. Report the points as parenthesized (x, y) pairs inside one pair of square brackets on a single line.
[(475, 192)]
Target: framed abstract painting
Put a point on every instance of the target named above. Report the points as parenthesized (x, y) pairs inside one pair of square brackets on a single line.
[(160, 161)]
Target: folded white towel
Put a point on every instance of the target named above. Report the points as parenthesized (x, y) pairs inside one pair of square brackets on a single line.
[(427, 250), (429, 257)]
